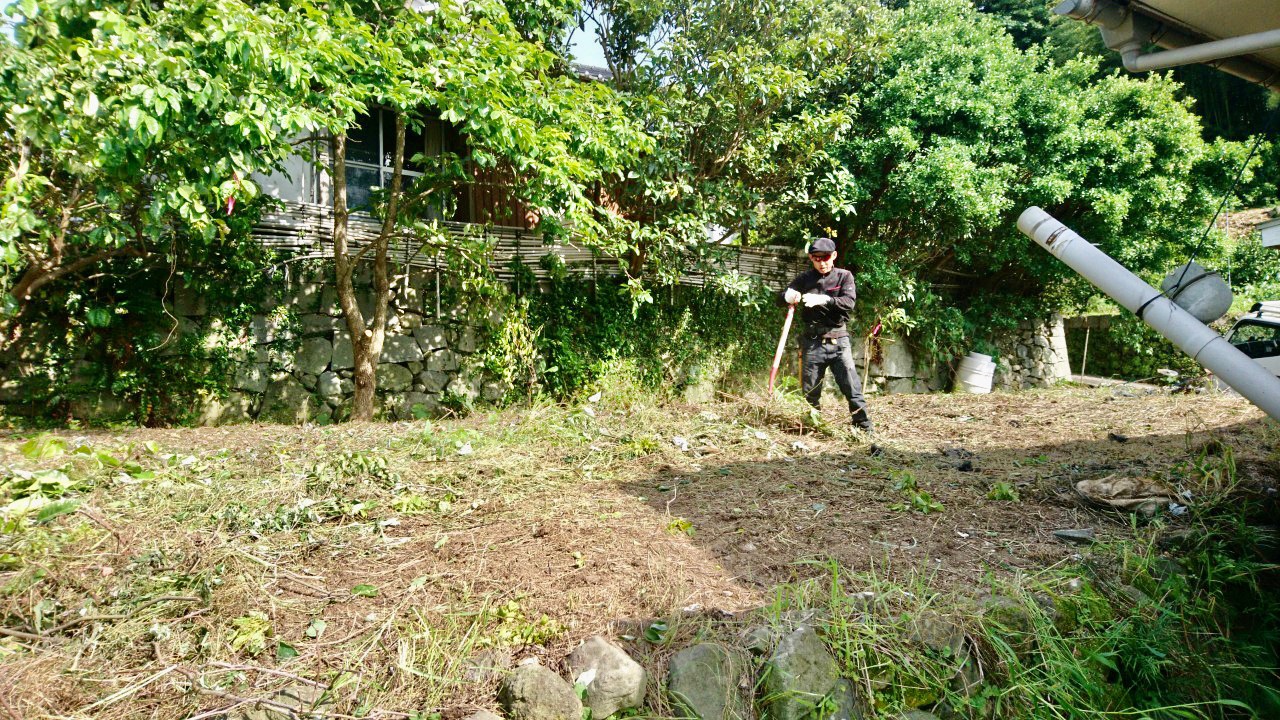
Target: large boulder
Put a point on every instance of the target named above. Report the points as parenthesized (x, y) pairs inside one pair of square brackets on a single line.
[(313, 356), (801, 676), (343, 355), (394, 378), (251, 377), (532, 692), (442, 361), (329, 385), (616, 681), (434, 381), (430, 338), (305, 297), (467, 341), (266, 329), (286, 401), (400, 349), (895, 360), (407, 406), (493, 390), (847, 704), (468, 388), (933, 631), (705, 682)]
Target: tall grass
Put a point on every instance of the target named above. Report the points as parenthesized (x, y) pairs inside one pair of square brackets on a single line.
[(1171, 622)]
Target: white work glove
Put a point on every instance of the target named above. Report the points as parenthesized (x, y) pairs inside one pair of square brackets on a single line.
[(815, 299), (792, 296)]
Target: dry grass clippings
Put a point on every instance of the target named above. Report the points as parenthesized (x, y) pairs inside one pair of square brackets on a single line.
[(401, 567)]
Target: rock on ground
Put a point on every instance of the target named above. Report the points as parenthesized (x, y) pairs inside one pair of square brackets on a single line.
[(532, 692), (617, 681), (706, 682), (799, 676)]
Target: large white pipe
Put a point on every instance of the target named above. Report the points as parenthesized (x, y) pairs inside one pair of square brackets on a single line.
[(1190, 335), (1127, 31), (1204, 52)]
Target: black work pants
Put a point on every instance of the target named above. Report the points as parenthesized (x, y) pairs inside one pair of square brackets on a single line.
[(819, 354)]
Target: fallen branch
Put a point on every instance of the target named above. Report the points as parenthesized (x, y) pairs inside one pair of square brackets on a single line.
[(106, 525), (269, 671), (290, 710), (94, 618), (116, 697)]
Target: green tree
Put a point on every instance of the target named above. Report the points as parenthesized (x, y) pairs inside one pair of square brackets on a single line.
[(956, 133), (721, 86), (1229, 107), (468, 63), (132, 129), (127, 129)]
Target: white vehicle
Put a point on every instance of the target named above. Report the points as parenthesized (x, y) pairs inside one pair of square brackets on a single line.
[(1257, 334)]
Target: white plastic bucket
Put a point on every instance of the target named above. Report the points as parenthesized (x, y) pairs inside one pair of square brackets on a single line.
[(974, 374)]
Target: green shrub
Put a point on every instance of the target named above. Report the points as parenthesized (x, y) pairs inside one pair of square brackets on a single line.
[(1126, 349), (563, 338)]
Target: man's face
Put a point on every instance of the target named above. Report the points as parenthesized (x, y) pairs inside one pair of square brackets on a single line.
[(823, 262)]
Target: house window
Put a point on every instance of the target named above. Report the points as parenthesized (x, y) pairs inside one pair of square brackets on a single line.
[(485, 197), (371, 144)]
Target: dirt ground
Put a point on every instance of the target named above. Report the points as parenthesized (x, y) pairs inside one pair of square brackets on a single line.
[(599, 517)]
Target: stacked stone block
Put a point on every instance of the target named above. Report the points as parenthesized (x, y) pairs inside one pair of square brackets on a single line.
[(296, 364)]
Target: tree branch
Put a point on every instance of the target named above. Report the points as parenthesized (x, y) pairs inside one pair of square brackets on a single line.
[(32, 282)]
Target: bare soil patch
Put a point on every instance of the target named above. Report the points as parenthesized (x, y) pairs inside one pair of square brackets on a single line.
[(482, 540)]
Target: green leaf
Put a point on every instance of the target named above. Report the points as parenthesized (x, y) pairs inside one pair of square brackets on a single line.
[(44, 447), (98, 317), (251, 632), (285, 651), (316, 628), (107, 459), (656, 633), (54, 509)]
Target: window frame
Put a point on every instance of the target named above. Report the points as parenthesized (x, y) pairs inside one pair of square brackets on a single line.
[(385, 172)]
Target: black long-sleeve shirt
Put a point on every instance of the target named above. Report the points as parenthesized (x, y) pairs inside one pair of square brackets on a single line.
[(827, 321)]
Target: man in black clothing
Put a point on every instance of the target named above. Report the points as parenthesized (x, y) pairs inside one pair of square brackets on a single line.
[(828, 295)]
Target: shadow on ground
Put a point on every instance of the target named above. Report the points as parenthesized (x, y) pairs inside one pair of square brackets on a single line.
[(909, 512)]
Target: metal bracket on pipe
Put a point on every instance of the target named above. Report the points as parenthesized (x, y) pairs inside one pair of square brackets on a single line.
[(1127, 32)]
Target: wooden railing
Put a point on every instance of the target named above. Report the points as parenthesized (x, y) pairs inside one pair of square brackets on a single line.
[(306, 230)]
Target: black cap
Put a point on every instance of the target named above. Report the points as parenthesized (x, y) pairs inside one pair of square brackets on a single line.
[(822, 244)]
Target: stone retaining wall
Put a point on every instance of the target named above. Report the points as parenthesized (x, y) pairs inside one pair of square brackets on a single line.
[(1035, 356), (296, 363), (293, 362)]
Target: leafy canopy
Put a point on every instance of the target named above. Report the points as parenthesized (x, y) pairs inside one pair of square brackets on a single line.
[(953, 135)]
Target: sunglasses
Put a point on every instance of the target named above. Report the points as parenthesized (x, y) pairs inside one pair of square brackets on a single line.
[(820, 257)]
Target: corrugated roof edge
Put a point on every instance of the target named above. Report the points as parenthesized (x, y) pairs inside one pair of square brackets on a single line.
[(591, 72)]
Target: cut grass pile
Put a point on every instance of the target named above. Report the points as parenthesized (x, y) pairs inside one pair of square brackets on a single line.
[(397, 569)]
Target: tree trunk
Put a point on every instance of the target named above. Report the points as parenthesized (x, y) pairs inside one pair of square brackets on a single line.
[(381, 280), (366, 337), (344, 266)]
